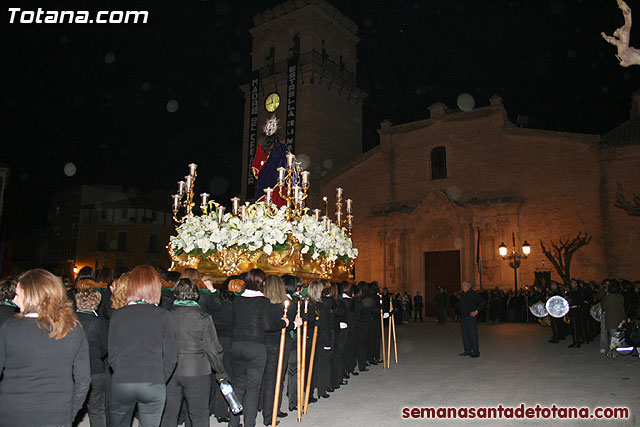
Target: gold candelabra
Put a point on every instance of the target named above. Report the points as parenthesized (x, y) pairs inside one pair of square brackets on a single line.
[(292, 188), (183, 199)]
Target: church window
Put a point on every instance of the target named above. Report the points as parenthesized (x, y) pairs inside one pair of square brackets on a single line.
[(438, 163)]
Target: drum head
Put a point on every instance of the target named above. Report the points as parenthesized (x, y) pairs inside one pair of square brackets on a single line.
[(538, 309), (596, 312), (557, 306)]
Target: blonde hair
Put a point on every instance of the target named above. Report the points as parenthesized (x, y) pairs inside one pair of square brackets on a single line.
[(44, 294), (314, 291), (119, 296), (88, 299), (274, 290)]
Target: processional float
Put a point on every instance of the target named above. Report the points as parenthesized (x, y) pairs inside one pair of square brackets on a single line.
[(278, 240)]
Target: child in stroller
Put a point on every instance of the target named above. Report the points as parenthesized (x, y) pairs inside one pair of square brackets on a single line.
[(626, 339)]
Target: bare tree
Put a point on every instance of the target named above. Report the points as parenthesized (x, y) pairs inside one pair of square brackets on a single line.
[(622, 202), (560, 254), (627, 55)]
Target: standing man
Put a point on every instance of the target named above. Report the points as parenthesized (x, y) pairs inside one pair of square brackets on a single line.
[(470, 305), (419, 304), (441, 305)]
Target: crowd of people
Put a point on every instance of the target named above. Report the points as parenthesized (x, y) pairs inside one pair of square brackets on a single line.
[(158, 344)]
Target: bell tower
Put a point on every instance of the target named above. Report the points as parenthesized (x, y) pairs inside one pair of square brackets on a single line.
[(304, 71)]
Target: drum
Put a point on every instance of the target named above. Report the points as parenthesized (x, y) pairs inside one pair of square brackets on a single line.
[(596, 312), (538, 309), (557, 306)]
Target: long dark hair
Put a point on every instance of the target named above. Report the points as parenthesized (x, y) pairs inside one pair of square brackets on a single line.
[(290, 283), (255, 280)]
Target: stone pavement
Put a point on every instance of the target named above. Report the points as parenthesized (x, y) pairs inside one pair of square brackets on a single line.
[(516, 366)]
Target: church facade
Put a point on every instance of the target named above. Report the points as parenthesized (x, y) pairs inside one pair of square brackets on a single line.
[(437, 192)]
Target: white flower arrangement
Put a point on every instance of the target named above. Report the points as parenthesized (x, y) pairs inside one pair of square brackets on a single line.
[(201, 235)]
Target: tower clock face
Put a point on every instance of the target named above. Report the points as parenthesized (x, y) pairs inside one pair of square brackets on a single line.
[(272, 102)]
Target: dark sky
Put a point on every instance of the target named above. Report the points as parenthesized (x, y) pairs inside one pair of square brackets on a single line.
[(97, 95)]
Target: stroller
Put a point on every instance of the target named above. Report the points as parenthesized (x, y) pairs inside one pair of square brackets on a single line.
[(625, 340)]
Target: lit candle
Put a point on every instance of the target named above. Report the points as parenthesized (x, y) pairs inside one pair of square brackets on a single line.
[(316, 212), (338, 194), (205, 198), (306, 304), (296, 194), (286, 307), (305, 178), (181, 187), (176, 201), (243, 213), (268, 195), (235, 202), (326, 206), (290, 158), (281, 171), (192, 169), (189, 181), (220, 213), (349, 203)]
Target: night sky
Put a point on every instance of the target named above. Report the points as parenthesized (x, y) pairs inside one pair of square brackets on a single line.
[(100, 95)]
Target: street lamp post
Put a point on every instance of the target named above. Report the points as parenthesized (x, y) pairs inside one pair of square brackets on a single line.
[(515, 257)]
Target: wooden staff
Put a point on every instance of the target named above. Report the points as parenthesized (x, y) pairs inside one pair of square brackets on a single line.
[(384, 359), (395, 340), (391, 321), (313, 353), (304, 354), (299, 365), (276, 399)]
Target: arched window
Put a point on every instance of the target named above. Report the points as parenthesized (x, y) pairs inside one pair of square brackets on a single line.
[(438, 163)]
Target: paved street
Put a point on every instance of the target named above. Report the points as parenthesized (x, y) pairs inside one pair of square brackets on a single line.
[(516, 366)]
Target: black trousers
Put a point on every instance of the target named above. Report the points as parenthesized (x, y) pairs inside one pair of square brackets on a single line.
[(337, 361), (150, 399), (96, 403), (267, 392), (442, 315), (418, 311), (218, 405), (470, 335), (291, 366), (195, 391), (373, 341), (577, 325), (322, 370), (351, 347), (248, 367), (361, 350)]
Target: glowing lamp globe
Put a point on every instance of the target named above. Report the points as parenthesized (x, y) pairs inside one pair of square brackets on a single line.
[(526, 248), (502, 250)]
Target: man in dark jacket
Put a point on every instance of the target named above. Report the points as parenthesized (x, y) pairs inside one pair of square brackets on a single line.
[(470, 305)]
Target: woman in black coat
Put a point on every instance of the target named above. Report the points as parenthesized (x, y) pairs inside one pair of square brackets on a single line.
[(321, 305), (223, 320), (199, 352), (253, 318), (142, 352), (44, 356), (275, 291)]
